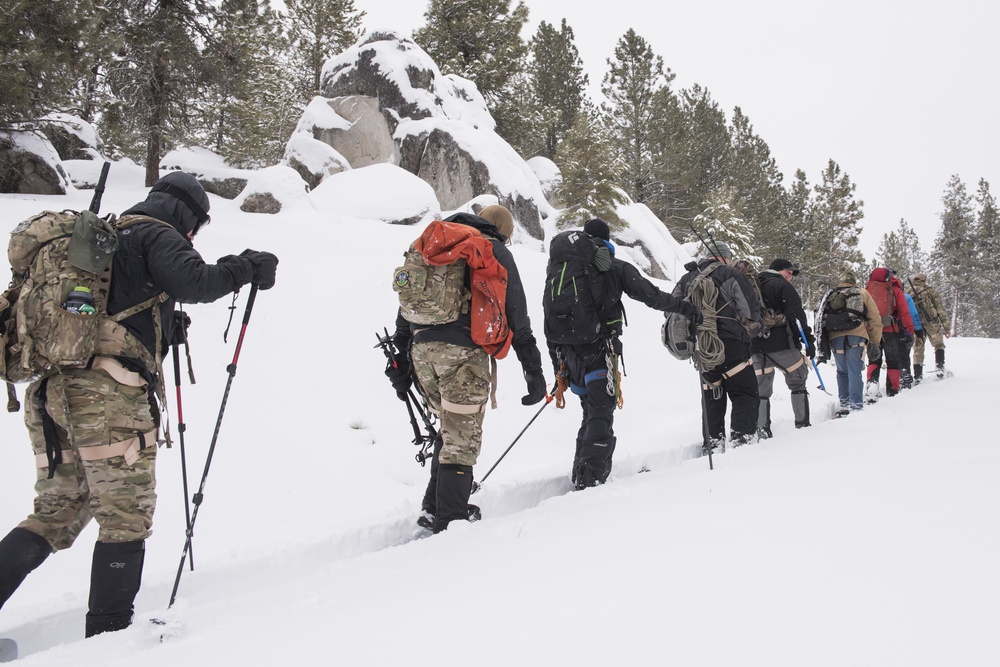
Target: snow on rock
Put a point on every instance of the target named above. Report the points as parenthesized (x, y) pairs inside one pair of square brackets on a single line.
[(210, 168), (273, 190), (378, 192), (440, 127), (649, 243), (548, 175), (314, 160), (72, 137), (29, 165)]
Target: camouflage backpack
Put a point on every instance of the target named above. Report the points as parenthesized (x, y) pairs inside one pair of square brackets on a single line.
[(844, 309), (51, 255), (430, 294)]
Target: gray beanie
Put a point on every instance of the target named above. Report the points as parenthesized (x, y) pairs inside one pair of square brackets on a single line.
[(719, 249)]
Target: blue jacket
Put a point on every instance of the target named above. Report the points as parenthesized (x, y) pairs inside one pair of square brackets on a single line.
[(913, 313)]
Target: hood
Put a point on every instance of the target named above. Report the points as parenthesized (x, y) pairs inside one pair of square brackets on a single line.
[(177, 198), (482, 224)]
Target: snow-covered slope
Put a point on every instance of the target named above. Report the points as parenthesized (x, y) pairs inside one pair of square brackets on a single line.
[(865, 541)]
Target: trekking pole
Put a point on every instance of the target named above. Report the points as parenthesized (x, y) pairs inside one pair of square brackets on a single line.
[(548, 399), (706, 441), (805, 342), (198, 497), (181, 427)]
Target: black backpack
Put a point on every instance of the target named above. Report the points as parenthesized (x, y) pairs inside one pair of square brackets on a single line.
[(844, 309), (579, 302)]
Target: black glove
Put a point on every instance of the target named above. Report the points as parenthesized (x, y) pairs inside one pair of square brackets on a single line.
[(240, 269), (181, 323), (536, 387), (908, 339), (399, 376), (264, 266), (690, 311), (920, 334), (810, 346)]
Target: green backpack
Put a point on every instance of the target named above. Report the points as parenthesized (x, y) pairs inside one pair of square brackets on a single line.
[(51, 255), (430, 294)]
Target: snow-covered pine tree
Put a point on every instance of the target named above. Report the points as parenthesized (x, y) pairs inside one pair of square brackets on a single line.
[(590, 174), (833, 225), (720, 217), (558, 81), (900, 250), (754, 173), (630, 85), (250, 107), (318, 30), (952, 249), (986, 241), (480, 40)]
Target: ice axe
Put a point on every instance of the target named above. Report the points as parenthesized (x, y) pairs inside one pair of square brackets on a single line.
[(815, 367)]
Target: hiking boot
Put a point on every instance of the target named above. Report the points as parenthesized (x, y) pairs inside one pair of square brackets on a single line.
[(872, 391), (842, 412), (115, 577), (764, 433), (454, 486), (918, 374), (905, 379)]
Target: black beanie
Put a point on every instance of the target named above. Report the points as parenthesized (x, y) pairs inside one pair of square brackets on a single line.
[(598, 229)]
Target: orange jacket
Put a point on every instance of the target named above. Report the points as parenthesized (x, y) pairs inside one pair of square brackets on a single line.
[(446, 242)]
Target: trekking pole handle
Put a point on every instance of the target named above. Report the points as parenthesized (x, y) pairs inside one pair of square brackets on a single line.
[(243, 329), (95, 203)]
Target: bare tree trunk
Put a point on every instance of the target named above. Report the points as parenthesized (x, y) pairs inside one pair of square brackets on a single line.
[(954, 314), (154, 125)]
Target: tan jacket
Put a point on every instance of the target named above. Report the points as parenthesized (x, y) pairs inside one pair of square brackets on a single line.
[(872, 327)]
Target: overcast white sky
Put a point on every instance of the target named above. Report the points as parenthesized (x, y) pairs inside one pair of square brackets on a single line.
[(901, 94)]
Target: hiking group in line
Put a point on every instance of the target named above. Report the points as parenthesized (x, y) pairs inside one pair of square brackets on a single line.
[(738, 325)]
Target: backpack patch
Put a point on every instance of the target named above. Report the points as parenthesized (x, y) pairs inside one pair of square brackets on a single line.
[(578, 301), (430, 294), (844, 309)]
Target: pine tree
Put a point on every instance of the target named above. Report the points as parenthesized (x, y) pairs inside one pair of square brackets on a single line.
[(833, 225), (557, 81), (721, 219), (319, 30), (480, 40), (984, 280), (590, 174), (47, 51), (249, 108), (635, 77), (155, 79), (952, 249), (754, 174), (900, 250)]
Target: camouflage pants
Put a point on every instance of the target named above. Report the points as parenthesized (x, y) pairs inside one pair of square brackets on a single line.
[(89, 409), (456, 382), (937, 340)]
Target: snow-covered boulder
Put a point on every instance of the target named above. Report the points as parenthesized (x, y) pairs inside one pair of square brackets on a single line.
[(648, 243), (72, 137), (377, 192), (548, 175), (29, 165), (273, 190), (211, 170), (439, 125), (313, 159)]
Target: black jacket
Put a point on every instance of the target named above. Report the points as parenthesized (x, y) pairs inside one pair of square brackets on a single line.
[(153, 257), (737, 298), (779, 295), (459, 332)]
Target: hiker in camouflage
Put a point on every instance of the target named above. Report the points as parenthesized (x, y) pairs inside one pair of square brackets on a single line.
[(933, 319), (453, 374), (94, 430)]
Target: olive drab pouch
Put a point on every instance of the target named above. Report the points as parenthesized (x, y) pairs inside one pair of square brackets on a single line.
[(431, 294)]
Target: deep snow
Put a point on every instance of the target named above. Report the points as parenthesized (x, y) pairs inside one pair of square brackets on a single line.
[(864, 541)]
